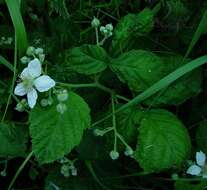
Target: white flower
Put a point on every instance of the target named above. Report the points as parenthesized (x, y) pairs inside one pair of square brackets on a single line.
[(32, 81), (200, 168)]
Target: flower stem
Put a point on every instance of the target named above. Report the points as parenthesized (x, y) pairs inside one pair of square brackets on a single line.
[(97, 37), (114, 121), (89, 85)]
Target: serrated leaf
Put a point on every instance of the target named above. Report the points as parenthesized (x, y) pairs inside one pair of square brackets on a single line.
[(87, 59), (13, 140), (181, 90), (163, 141), (139, 69), (54, 134), (130, 26)]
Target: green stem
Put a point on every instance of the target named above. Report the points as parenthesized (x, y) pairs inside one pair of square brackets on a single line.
[(100, 86), (114, 122), (13, 80), (93, 85), (89, 85), (122, 139), (20, 169), (97, 37)]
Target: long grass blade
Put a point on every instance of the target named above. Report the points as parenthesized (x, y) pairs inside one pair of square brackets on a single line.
[(163, 83), (14, 10), (202, 27), (6, 63)]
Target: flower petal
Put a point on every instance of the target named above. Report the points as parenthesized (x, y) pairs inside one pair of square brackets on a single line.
[(32, 97), (44, 83), (194, 170), (20, 90), (35, 68), (25, 74), (200, 158)]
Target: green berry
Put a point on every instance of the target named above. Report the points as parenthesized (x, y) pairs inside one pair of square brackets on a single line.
[(30, 51), (95, 23), (114, 155)]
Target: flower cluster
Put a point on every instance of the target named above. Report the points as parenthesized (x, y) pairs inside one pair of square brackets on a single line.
[(67, 169), (200, 168), (31, 53), (32, 81), (106, 31), (62, 97), (6, 41)]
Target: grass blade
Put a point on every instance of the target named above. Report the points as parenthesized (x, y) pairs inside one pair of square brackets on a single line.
[(6, 63), (14, 10), (163, 83), (202, 27)]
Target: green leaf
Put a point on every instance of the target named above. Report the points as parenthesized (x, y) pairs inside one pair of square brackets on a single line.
[(201, 137), (130, 26), (181, 90), (87, 59), (160, 85), (163, 141), (13, 140), (139, 69), (14, 10), (54, 134)]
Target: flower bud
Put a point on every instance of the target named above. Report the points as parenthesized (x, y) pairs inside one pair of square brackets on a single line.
[(21, 105), (98, 132), (95, 23), (109, 27), (41, 57), (61, 108), (30, 51), (25, 60), (3, 173), (114, 155), (62, 96), (102, 29), (39, 51), (64, 170), (74, 170), (128, 151), (44, 102)]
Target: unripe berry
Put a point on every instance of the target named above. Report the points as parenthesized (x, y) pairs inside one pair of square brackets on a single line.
[(30, 51), (114, 155), (95, 23)]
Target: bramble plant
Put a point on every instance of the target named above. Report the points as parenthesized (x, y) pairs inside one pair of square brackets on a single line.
[(103, 95)]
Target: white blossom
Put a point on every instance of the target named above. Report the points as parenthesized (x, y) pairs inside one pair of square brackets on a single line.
[(32, 81), (200, 168)]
